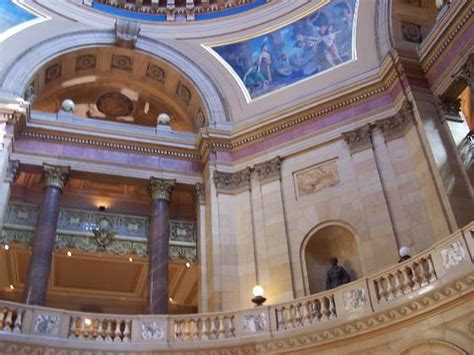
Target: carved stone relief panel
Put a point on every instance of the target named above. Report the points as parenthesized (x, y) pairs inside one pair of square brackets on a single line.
[(46, 324), (354, 300), (453, 254), (152, 331), (52, 73), (122, 62), (155, 72), (85, 62), (316, 178), (255, 322)]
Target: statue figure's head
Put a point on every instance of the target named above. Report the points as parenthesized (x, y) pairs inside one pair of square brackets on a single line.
[(333, 260)]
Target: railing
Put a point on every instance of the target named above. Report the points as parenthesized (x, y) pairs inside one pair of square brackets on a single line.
[(447, 261)]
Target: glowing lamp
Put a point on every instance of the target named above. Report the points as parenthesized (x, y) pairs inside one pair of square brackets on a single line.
[(258, 298)]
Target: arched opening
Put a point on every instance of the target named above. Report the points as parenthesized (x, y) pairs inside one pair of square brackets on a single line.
[(433, 348), (332, 240)]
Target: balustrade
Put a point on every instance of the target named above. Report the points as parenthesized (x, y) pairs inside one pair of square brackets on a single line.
[(409, 276), (204, 327), (447, 260), (100, 329), (11, 319)]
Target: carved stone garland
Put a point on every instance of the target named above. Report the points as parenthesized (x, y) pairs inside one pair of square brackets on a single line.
[(269, 171), (232, 182), (359, 139), (397, 126)]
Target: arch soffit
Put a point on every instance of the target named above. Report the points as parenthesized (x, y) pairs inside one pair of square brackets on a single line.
[(18, 74), (437, 345)]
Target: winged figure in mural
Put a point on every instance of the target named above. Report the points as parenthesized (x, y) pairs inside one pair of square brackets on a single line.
[(104, 233)]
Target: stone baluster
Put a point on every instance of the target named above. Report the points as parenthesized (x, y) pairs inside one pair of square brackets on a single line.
[(213, 328), (407, 279), (108, 332), (431, 270), (221, 328), (298, 317), (389, 289), (324, 309), (126, 332), (158, 245), (316, 308), (332, 308), (9, 320), (73, 328), (280, 319), (36, 284), (100, 331), (231, 329), (415, 277), (195, 330), (187, 330), (398, 284), (204, 331), (177, 330), (307, 314)]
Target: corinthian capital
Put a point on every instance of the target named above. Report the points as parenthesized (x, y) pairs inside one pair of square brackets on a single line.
[(359, 139), (466, 73), (449, 108), (232, 182), (396, 126), (55, 175), (160, 189), (269, 171)]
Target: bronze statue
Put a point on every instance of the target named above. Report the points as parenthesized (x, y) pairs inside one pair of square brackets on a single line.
[(337, 275)]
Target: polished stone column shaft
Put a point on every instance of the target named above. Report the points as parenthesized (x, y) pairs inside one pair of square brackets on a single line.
[(45, 235), (158, 245)]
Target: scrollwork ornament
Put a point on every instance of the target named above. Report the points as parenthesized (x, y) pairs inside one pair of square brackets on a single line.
[(358, 139), (232, 182)]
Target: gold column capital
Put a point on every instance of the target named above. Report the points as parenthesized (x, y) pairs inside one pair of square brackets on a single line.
[(55, 175), (160, 189)]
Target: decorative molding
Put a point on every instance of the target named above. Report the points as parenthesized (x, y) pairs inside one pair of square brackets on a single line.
[(232, 182), (450, 36), (111, 145), (55, 175), (466, 73), (411, 32), (13, 170), (200, 193), (269, 171), (126, 33), (316, 178), (183, 92), (397, 126), (449, 108), (359, 139), (160, 189)]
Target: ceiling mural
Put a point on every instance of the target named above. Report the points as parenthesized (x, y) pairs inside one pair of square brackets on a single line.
[(311, 45)]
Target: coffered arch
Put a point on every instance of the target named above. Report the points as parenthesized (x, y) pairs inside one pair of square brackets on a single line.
[(190, 85)]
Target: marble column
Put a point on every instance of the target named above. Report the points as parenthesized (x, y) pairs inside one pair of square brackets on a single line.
[(39, 267), (158, 245)]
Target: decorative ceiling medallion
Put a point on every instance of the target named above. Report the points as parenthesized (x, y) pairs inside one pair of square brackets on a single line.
[(411, 32), (183, 92), (85, 62), (114, 104), (155, 72), (122, 62), (52, 73)]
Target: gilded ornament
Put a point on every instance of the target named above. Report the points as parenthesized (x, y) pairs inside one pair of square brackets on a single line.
[(160, 189), (55, 175)]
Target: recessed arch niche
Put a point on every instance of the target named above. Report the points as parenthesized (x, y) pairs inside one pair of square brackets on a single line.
[(323, 242)]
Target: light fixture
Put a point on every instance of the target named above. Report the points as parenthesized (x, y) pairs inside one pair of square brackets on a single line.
[(171, 299), (6, 247), (102, 208), (69, 254), (258, 298), (12, 287), (130, 259), (187, 264), (87, 322)]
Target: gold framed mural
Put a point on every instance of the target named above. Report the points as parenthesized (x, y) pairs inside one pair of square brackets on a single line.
[(318, 40)]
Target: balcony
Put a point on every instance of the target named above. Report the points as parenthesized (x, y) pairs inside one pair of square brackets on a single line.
[(439, 277)]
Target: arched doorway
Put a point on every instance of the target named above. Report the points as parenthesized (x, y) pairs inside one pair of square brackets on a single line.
[(318, 247)]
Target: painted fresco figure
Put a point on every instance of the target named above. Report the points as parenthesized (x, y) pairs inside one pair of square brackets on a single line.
[(254, 79), (327, 45), (336, 275), (265, 63)]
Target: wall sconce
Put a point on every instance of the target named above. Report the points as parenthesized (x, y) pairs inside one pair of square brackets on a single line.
[(258, 298), (101, 208)]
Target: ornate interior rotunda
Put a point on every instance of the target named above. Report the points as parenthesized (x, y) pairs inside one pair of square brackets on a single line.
[(236, 177)]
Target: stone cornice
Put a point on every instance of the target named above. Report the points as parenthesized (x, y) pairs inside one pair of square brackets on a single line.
[(398, 125), (160, 189), (232, 182), (436, 50), (358, 139), (269, 171), (55, 175)]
